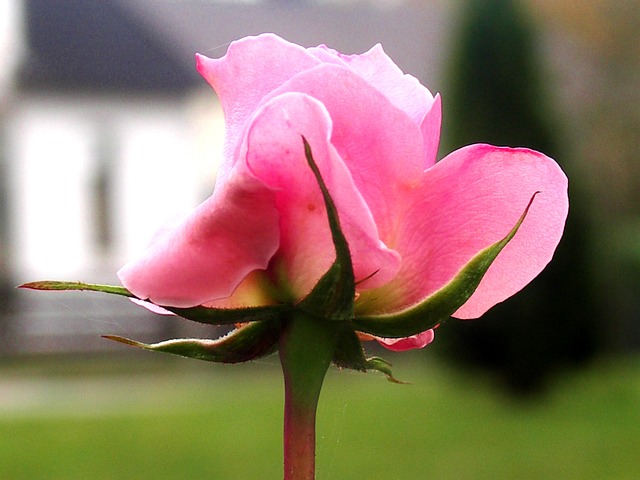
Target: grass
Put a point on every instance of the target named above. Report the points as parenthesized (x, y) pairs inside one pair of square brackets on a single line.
[(182, 419)]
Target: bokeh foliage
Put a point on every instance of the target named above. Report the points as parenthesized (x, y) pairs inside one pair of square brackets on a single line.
[(496, 94)]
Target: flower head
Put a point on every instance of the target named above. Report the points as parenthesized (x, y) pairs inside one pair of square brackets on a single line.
[(412, 225)]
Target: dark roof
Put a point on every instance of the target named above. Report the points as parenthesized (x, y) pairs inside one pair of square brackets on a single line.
[(149, 45), (414, 34), (95, 45)]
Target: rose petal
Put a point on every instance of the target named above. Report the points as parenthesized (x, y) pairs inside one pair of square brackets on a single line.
[(419, 340), (254, 289), (152, 307), (274, 152), (207, 256), (375, 66), (251, 68), (402, 90), (327, 55), (430, 127), (463, 204), (384, 151)]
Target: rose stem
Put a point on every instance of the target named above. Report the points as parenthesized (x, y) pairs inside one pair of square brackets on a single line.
[(306, 349)]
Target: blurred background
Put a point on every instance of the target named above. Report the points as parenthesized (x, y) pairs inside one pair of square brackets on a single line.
[(107, 132)]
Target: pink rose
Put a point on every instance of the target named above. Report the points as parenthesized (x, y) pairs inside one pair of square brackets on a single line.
[(411, 223)]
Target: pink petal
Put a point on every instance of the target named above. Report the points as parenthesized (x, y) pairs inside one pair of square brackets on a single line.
[(404, 91), (430, 126), (254, 289), (274, 152), (327, 55), (209, 254), (382, 147), (420, 340), (152, 307), (375, 67), (251, 68), (465, 203)]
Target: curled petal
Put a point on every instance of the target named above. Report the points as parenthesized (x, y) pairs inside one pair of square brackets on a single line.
[(274, 152), (402, 90), (443, 303), (152, 307), (419, 340), (384, 151), (251, 68), (465, 203), (430, 126), (209, 254)]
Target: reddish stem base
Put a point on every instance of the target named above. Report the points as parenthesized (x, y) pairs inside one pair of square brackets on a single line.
[(306, 349)]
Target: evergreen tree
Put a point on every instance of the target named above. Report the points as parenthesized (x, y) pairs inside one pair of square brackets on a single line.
[(496, 96)]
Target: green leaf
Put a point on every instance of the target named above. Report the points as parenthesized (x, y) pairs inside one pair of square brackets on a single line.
[(439, 306), (209, 316), (333, 296), (246, 343)]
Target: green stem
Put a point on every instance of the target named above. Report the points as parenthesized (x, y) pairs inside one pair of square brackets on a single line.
[(306, 349)]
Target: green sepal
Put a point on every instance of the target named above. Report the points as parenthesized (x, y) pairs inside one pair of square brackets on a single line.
[(381, 365), (208, 316), (92, 287), (334, 295), (350, 354), (246, 343), (228, 316), (440, 305)]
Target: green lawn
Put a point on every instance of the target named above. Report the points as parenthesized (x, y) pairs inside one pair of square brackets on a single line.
[(180, 420)]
